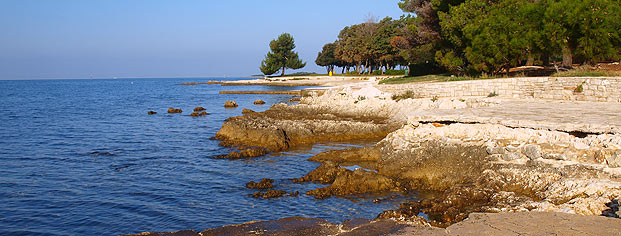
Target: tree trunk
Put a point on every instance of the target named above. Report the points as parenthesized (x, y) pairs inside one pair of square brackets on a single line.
[(567, 59), (283, 71), (530, 61), (546, 59)]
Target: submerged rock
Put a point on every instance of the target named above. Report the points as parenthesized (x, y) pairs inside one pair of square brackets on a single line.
[(259, 102), (230, 104), (263, 184), (285, 226), (245, 153), (269, 194), (174, 110), (151, 113), (199, 109)]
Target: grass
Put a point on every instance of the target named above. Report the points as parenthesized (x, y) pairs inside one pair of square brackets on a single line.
[(586, 71), (431, 78), (405, 95)]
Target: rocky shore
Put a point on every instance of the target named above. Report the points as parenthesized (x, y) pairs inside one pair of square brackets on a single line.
[(549, 167)]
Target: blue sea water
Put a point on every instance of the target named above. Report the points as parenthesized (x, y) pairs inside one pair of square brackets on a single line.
[(82, 157)]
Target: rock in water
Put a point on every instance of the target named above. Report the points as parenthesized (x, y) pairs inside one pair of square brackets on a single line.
[(196, 114), (151, 113), (230, 104), (173, 110), (264, 184), (199, 109), (259, 102), (269, 194)]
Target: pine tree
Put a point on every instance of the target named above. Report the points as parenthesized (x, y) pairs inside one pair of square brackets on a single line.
[(281, 56)]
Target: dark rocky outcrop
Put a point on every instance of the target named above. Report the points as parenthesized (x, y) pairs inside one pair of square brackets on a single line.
[(269, 194), (151, 113), (263, 184), (174, 110), (199, 109), (284, 227), (244, 153), (230, 104), (177, 233), (197, 114), (247, 111), (259, 102)]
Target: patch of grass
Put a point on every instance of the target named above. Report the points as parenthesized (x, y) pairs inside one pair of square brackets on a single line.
[(492, 94), (586, 71), (432, 78), (405, 95)]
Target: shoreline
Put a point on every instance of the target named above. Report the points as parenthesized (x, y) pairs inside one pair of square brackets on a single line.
[(486, 154)]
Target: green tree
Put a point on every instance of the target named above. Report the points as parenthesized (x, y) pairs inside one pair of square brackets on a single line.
[(281, 56), (327, 58)]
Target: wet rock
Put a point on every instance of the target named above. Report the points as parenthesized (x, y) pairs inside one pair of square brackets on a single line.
[(263, 184), (259, 102), (174, 110), (151, 113), (355, 182), (177, 233), (532, 151), (199, 109), (247, 111), (326, 173), (97, 153), (269, 194), (614, 161), (197, 114), (282, 227), (295, 99), (246, 153), (293, 194), (230, 104)]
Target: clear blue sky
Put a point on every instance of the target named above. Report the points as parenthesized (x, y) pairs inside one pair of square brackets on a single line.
[(165, 38)]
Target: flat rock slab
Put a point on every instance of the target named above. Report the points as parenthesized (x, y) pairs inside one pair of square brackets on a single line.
[(525, 223), (568, 116)]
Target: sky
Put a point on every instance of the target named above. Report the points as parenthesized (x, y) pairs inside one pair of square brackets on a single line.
[(44, 39)]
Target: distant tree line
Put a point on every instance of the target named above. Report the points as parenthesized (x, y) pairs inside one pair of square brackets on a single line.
[(481, 36)]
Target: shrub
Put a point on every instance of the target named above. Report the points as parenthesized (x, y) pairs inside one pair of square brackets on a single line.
[(405, 95)]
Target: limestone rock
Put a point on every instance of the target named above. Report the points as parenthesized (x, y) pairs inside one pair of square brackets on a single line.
[(532, 151), (230, 104), (614, 161), (199, 109), (151, 113), (259, 102)]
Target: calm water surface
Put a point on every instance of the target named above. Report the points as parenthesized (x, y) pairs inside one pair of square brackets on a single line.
[(82, 157)]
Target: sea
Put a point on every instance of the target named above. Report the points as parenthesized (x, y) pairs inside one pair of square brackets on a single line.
[(82, 157)]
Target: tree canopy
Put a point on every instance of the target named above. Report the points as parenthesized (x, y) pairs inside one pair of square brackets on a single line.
[(482, 36), (281, 56)]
